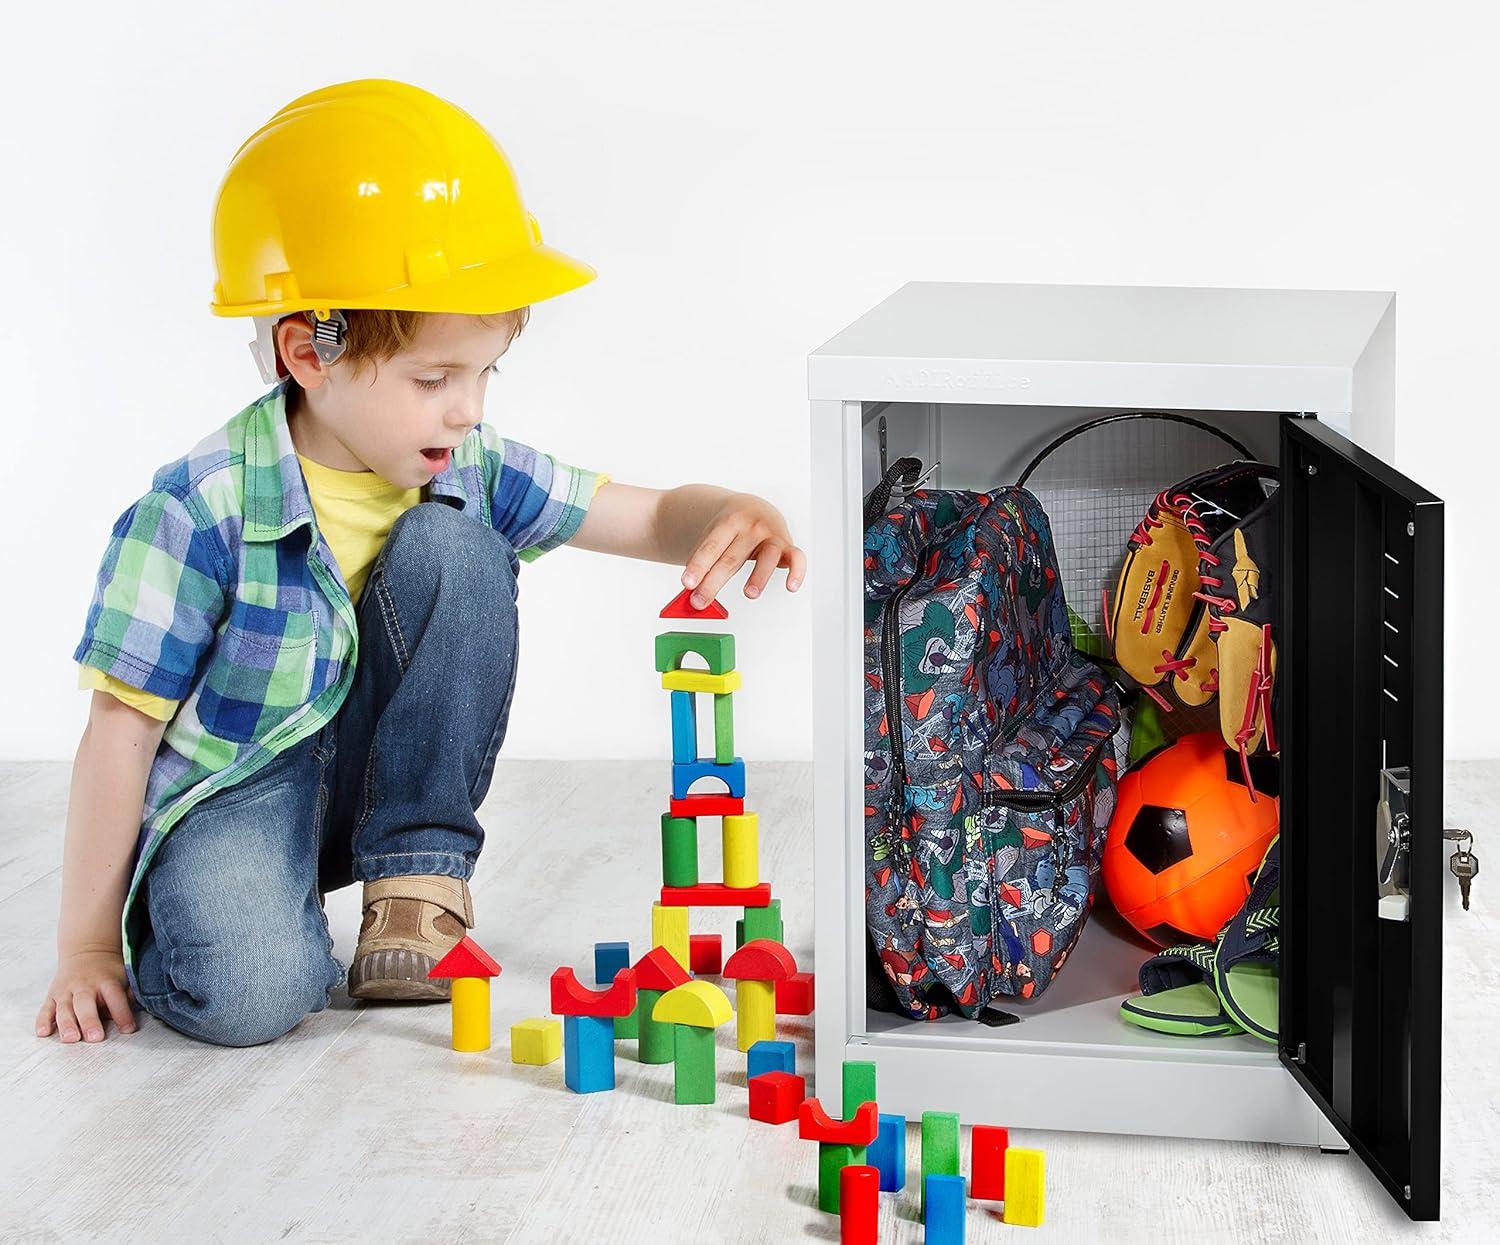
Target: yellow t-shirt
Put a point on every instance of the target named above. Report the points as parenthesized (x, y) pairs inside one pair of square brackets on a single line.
[(355, 511)]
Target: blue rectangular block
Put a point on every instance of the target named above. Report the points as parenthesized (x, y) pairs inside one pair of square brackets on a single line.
[(589, 1053), (945, 1210), (768, 1056), (686, 773), (684, 727), (888, 1154), (609, 959)]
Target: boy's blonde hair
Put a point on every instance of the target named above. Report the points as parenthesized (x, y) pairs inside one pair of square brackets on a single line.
[(376, 336)]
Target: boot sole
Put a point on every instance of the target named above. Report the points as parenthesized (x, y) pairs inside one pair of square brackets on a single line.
[(398, 973)]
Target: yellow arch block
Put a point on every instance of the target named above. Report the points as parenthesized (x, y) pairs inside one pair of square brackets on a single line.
[(699, 1004), (701, 681)]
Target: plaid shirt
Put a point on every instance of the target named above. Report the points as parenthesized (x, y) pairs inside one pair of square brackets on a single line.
[(218, 591)]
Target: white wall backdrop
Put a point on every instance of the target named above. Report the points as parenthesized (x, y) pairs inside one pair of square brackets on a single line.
[(747, 178)]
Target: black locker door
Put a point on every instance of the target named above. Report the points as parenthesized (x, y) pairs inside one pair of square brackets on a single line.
[(1361, 692)]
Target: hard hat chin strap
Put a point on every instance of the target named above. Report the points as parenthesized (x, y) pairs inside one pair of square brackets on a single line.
[(329, 340)]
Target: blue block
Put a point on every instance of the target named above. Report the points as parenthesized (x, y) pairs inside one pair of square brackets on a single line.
[(684, 727), (889, 1153), (609, 959), (768, 1056), (589, 1053), (945, 1210), (686, 773)]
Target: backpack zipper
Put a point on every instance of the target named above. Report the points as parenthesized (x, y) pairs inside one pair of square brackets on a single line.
[(1050, 799), (890, 669)]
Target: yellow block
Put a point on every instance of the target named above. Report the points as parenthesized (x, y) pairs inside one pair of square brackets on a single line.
[(1025, 1186), (536, 1041), (755, 1002), (698, 1004), (669, 929), (741, 849), (701, 681), (471, 1013)]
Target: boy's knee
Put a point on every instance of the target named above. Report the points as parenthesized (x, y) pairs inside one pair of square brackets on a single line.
[(245, 994), (432, 542)]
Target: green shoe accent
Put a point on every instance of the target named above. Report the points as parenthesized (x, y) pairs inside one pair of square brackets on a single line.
[(1185, 1011)]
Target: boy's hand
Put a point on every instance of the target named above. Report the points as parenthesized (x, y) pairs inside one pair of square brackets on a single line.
[(83, 979), (745, 528)]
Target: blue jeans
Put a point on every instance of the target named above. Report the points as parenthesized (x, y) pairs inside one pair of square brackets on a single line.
[(239, 948)]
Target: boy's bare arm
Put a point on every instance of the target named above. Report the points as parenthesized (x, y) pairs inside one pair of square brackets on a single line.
[(104, 819)]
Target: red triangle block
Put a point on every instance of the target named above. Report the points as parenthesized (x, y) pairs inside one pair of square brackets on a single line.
[(467, 959), (681, 606), (659, 970)]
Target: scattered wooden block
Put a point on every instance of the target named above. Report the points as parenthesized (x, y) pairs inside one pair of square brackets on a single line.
[(1025, 1186), (589, 1053), (987, 1146), (609, 959), (695, 1010), (536, 1041), (656, 973), (776, 1097), (570, 997), (943, 1209), (770, 1057), (939, 1145), (859, 1085), (706, 953), (888, 1153), (757, 967), (794, 996), (764, 922), (470, 968), (859, 1205)]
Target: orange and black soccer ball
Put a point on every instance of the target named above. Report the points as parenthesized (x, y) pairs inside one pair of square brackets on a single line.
[(1185, 841)]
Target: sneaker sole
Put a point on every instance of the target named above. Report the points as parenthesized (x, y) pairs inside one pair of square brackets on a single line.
[(398, 973)]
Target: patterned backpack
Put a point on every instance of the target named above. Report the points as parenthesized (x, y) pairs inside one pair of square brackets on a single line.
[(991, 749)]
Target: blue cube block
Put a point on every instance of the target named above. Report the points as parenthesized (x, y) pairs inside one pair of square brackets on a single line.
[(768, 1056), (944, 1217), (686, 773), (609, 959), (888, 1154), (684, 727)]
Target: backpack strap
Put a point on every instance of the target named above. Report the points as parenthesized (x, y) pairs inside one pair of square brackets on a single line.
[(904, 471)]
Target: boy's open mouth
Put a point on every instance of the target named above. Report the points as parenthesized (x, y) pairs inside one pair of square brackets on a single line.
[(437, 457)]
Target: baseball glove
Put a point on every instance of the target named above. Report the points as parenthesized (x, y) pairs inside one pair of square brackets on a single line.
[(1193, 610)]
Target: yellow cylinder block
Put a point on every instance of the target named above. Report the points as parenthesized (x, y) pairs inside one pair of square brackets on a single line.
[(471, 1013), (742, 849)]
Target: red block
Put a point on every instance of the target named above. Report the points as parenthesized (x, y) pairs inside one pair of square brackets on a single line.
[(859, 1205), (760, 959), (815, 1124), (987, 1162), (706, 952), (708, 806), (716, 895), (571, 998), (794, 996), (776, 1096), (681, 606)]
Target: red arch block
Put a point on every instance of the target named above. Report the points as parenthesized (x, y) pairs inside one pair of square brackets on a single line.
[(571, 998), (761, 960), (814, 1124)]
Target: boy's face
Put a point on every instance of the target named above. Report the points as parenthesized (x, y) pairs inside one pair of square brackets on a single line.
[(402, 417)]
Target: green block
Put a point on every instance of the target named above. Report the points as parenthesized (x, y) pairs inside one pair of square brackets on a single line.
[(692, 1065), (762, 923), (655, 1038), (832, 1159), (679, 850), (939, 1147), (739, 934), (629, 1026), (859, 1085), (723, 728), (716, 648)]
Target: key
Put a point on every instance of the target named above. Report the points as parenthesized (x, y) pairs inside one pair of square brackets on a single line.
[(1464, 865)]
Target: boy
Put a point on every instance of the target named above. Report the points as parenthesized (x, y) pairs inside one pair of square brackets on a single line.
[(302, 643)]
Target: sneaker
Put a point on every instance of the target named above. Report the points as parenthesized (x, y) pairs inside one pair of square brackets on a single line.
[(410, 923)]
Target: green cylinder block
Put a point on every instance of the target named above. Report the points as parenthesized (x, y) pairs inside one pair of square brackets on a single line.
[(679, 850)]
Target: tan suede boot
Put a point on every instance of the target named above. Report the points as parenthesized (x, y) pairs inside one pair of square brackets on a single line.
[(410, 924)]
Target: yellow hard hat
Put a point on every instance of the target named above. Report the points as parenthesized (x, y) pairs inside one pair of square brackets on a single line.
[(377, 194)]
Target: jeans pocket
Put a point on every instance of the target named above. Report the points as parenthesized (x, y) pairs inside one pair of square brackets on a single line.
[(260, 673)]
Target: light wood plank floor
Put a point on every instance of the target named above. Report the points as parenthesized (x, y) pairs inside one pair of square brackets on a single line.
[(362, 1124)]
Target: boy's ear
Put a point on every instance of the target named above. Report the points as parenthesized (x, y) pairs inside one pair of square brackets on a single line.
[(294, 344)]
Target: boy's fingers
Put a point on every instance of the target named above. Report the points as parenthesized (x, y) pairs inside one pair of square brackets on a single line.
[(704, 556), (44, 1018), (86, 1008), (767, 559), (796, 567), (729, 562), (118, 1003), (67, 1027)]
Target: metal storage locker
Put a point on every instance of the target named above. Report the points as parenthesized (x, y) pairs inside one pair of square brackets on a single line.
[(975, 378)]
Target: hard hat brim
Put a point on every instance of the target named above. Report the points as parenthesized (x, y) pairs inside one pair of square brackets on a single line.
[(530, 276)]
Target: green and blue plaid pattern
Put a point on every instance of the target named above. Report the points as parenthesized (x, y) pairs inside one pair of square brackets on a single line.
[(217, 590)]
